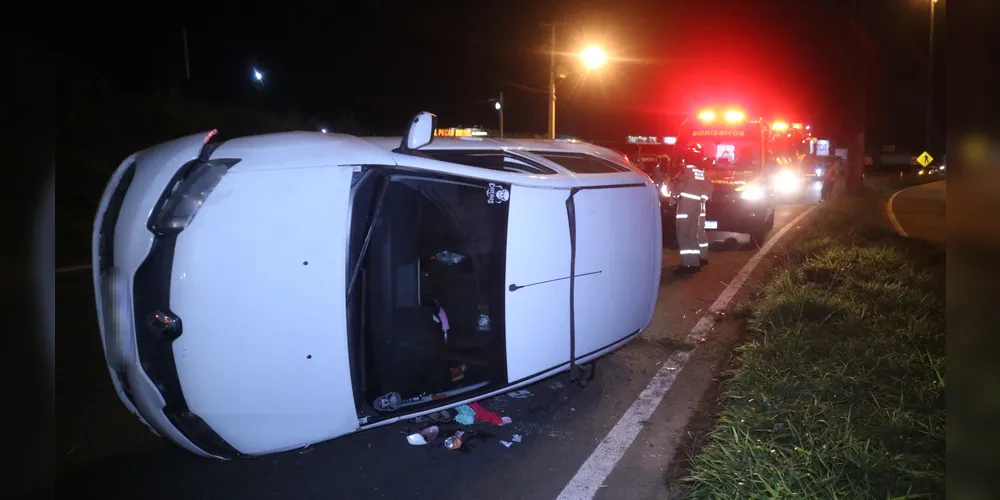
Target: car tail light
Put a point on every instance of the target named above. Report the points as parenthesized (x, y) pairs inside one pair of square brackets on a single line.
[(186, 194)]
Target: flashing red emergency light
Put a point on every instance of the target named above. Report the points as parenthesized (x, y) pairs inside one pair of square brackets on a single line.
[(734, 116), (779, 126), (706, 116)]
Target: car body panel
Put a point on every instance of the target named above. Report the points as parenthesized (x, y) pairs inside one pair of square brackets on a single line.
[(538, 249), (284, 229), (154, 168), (616, 298)]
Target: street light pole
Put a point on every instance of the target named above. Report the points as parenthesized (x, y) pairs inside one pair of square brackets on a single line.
[(187, 60), (552, 84), (501, 115), (930, 83)]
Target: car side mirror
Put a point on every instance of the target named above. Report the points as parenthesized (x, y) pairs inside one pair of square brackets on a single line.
[(420, 133)]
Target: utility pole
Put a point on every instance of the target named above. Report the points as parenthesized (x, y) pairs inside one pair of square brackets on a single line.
[(187, 60), (929, 117), (501, 115), (552, 84), (857, 22)]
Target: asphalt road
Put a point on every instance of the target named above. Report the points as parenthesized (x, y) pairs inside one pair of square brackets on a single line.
[(919, 211), (103, 452)]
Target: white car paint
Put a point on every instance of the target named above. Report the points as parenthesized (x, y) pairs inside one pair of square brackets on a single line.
[(258, 279)]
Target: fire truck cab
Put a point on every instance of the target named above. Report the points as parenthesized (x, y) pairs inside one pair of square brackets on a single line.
[(742, 169)]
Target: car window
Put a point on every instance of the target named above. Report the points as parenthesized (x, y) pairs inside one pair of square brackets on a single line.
[(582, 163), (492, 160)]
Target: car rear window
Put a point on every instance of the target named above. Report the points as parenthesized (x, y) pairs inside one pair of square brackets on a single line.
[(582, 163), (492, 160)]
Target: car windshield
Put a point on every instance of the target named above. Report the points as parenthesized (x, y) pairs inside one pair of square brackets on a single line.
[(730, 153)]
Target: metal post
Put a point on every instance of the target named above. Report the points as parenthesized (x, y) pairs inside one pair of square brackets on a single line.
[(501, 115), (930, 83), (552, 85), (187, 60)]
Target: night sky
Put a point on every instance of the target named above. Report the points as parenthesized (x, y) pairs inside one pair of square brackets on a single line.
[(385, 60)]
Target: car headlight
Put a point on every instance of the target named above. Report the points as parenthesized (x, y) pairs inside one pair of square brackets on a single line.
[(752, 193), (786, 180), (819, 171), (921, 172), (186, 194), (665, 191)]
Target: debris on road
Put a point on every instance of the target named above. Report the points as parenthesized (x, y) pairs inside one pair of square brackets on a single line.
[(520, 394), (506, 420), (466, 415), (556, 385), (516, 438), (454, 442), (490, 417), (423, 437), (505, 443)]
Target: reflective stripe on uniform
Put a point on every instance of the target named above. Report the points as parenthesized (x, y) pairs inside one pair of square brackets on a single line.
[(704, 196), (682, 216), (690, 252), (691, 196), (703, 245)]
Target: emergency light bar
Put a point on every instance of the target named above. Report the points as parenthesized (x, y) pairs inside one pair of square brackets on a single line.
[(779, 126)]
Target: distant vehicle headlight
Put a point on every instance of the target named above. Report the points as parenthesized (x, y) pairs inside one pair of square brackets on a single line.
[(665, 190), (920, 172), (819, 171), (752, 193)]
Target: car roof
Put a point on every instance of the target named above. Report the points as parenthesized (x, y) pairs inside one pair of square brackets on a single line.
[(495, 143)]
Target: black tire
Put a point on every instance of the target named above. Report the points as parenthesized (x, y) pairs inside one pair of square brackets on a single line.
[(758, 237)]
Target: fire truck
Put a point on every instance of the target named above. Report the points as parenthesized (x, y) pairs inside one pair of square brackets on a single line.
[(744, 169)]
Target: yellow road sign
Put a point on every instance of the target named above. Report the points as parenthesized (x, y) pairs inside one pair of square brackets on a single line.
[(925, 159)]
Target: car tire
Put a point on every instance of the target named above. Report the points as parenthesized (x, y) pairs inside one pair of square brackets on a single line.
[(758, 237)]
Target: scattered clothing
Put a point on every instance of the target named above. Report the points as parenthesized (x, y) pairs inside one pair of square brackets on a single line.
[(485, 415), (466, 415)]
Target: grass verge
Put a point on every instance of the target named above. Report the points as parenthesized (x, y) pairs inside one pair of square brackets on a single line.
[(838, 391)]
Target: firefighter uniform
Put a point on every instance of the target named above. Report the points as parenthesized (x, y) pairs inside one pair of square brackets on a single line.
[(692, 188)]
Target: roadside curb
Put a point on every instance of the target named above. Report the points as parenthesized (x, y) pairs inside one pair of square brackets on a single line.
[(892, 216)]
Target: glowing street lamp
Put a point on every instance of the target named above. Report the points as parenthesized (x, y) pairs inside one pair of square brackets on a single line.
[(593, 57)]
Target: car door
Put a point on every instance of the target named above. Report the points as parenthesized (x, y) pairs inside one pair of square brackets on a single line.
[(618, 259), (537, 298)]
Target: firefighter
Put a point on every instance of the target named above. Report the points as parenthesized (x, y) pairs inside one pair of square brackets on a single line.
[(690, 190)]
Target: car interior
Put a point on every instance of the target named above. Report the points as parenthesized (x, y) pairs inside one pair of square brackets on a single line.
[(433, 292)]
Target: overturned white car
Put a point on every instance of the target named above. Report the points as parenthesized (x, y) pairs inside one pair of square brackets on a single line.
[(264, 293)]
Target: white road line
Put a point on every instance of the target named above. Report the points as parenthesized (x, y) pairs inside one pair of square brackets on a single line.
[(69, 269), (599, 465), (892, 216)]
